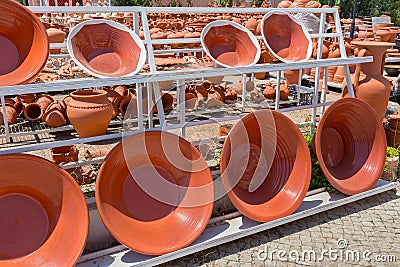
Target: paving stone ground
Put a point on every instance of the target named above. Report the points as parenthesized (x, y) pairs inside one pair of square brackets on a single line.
[(369, 228)]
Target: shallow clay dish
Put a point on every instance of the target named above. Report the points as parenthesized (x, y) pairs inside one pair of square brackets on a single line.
[(138, 198), (106, 48), (230, 44), (286, 37), (350, 144), (265, 166), (23, 44), (43, 214)]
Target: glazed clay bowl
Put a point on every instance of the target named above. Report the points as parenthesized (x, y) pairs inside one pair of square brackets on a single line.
[(106, 48), (154, 192), (230, 44), (286, 37), (43, 214), (265, 166), (23, 44), (350, 144)]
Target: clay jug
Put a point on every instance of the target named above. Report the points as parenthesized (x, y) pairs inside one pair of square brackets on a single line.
[(89, 112), (368, 81)]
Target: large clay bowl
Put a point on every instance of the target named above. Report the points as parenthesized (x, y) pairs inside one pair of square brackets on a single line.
[(43, 214), (350, 144), (230, 44), (138, 198), (286, 37), (265, 166), (106, 48), (23, 44)]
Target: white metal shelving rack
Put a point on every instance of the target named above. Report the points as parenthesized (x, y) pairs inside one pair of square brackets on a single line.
[(150, 79)]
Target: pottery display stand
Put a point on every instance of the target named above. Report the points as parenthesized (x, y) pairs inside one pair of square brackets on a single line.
[(237, 225)]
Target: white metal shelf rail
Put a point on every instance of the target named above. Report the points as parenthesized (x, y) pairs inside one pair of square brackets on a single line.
[(153, 77)]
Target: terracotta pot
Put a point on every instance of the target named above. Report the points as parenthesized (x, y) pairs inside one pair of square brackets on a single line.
[(123, 105), (37, 211), (384, 34), (325, 48), (269, 92), (339, 75), (334, 50), (64, 154), (24, 44), (265, 166), (168, 102), (191, 102), (90, 112), (105, 48), (33, 112), (53, 117), (370, 85), (43, 101), (291, 43), (26, 98), (284, 92), (137, 196), (11, 114), (230, 44), (331, 73), (350, 145), (216, 79), (230, 95), (292, 76), (284, 4), (55, 36)]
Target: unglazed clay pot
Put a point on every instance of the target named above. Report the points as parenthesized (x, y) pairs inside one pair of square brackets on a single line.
[(90, 112), (350, 144), (53, 117), (106, 48), (55, 36), (368, 81), (23, 44), (38, 202), (265, 166), (291, 43), (33, 112), (292, 76), (138, 198), (11, 114), (230, 44)]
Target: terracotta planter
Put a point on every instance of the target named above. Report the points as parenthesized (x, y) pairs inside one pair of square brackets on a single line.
[(23, 42), (53, 117), (11, 114), (37, 211), (106, 48), (392, 164), (64, 154), (90, 112), (33, 112), (350, 144), (191, 102), (265, 166), (137, 196), (292, 76), (291, 43), (368, 81), (230, 44), (55, 36), (43, 101)]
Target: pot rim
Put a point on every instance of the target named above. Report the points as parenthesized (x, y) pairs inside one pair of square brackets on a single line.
[(75, 30), (38, 29), (218, 23), (303, 27), (88, 93)]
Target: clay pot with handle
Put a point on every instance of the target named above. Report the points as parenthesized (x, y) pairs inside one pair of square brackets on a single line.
[(368, 81)]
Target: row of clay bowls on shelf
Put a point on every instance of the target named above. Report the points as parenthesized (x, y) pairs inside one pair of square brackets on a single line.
[(137, 193)]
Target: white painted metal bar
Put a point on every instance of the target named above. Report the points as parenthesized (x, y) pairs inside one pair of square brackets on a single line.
[(139, 93), (324, 90), (231, 230), (278, 90), (150, 104), (180, 95), (5, 121), (244, 91)]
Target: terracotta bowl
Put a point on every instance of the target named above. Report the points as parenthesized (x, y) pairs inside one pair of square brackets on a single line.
[(286, 37), (44, 216), (138, 198), (265, 166), (106, 48), (350, 144), (230, 44), (23, 43)]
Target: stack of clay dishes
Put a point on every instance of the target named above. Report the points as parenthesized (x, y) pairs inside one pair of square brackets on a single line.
[(229, 44), (44, 216), (289, 43), (154, 192), (23, 42), (265, 166), (350, 144), (105, 48)]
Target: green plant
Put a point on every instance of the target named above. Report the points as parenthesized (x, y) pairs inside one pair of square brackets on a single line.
[(391, 152), (132, 2), (318, 178)]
